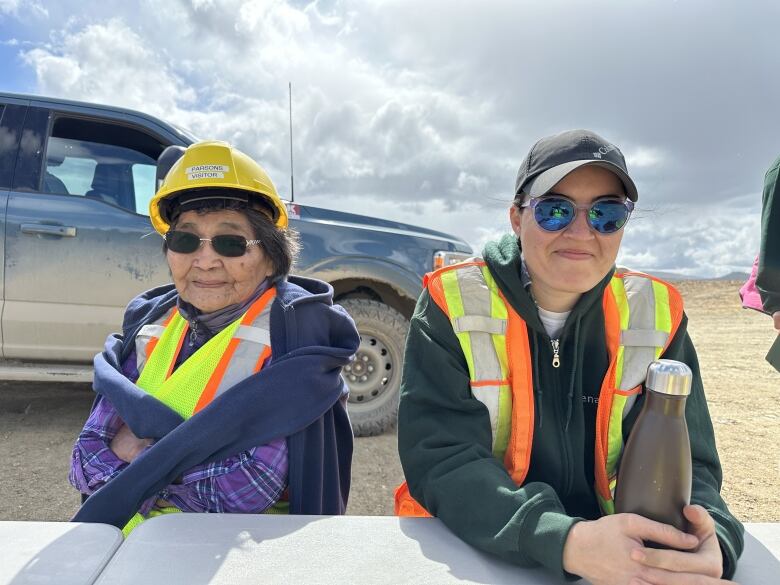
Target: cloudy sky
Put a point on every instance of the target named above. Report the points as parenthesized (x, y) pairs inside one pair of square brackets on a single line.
[(421, 110)]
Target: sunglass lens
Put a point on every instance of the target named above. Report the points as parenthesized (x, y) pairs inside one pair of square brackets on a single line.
[(608, 216), (231, 246), (182, 242), (553, 214)]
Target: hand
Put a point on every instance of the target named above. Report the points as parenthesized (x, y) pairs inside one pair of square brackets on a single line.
[(776, 318), (602, 551), (668, 566), (127, 446)]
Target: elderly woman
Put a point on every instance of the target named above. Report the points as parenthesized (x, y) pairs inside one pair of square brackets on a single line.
[(223, 393)]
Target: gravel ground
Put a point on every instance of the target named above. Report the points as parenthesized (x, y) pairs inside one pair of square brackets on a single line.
[(38, 423)]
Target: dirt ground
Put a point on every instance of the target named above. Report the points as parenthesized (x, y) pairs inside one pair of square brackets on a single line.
[(38, 423)]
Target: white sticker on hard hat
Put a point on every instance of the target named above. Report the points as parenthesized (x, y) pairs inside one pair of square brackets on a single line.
[(206, 172)]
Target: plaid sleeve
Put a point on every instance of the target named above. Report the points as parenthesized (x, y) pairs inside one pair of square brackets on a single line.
[(93, 463), (247, 483)]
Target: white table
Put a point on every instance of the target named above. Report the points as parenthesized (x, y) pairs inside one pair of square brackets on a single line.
[(56, 553), (221, 549)]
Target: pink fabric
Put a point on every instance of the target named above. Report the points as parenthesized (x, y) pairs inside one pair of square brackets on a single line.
[(751, 299)]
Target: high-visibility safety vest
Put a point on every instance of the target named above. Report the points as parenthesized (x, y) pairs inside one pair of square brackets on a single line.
[(233, 354), (641, 315)]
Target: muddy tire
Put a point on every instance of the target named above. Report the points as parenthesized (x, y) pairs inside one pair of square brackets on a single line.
[(374, 378)]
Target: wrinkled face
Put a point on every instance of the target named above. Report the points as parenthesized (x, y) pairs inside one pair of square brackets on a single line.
[(567, 263), (207, 280)]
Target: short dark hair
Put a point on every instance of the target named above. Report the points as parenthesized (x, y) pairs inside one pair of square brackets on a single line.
[(281, 246)]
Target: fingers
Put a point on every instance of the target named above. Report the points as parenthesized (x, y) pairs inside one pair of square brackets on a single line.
[(661, 577), (676, 561), (776, 317), (660, 533), (702, 524)]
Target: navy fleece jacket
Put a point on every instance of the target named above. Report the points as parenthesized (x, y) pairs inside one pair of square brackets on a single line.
[(300, 395)]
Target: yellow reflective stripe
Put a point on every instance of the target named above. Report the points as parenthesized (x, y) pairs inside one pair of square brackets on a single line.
[(619, 291), (663, 312), (449, 283), (504, 427), (498, 310), (158, 364), (607, 506), (615, 432), (183, 389)]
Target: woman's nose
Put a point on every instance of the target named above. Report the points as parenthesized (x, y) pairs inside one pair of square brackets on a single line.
[(580, 228), (205, 255)]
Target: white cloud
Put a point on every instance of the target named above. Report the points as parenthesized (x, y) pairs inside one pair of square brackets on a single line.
[(17, 7), (421, 111)]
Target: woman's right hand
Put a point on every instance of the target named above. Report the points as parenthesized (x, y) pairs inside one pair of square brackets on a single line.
[(600, 550), (127, 446), (776, 318)]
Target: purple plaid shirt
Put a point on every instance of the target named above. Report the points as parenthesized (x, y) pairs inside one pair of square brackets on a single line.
[(248, 482)]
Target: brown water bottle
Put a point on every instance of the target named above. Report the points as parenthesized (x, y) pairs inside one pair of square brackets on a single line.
[(654, 477)]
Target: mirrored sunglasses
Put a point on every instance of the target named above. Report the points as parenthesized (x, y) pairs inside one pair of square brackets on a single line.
[(555, 212), (227, 245)]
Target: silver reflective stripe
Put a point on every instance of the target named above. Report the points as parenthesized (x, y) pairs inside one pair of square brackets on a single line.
[(643, 338), (256, 334), (489, 396), (152, 330), (630, 400), (475, 297), (641, 327), (142, 339), (242, 363), (479, 323)]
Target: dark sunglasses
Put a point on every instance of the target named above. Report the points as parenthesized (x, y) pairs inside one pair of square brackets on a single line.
[(555, 212), (228, 245)]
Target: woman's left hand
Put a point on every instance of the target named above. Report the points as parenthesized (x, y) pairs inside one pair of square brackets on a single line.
[(706, 560), (127, 446)]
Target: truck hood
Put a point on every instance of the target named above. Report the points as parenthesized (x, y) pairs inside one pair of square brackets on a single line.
[(354, 220)]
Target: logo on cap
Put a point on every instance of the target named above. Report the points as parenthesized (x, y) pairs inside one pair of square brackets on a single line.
[(603, 150)]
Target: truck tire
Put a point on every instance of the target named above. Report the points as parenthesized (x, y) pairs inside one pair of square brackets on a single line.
[(374, 378)]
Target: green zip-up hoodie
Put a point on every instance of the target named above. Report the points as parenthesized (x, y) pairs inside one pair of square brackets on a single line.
[(768, 278), (444, 436)]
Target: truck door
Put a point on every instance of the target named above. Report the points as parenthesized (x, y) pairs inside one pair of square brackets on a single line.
[(78, 243), (12, 113)]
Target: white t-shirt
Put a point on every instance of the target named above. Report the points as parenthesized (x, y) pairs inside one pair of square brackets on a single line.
[(553, 322)]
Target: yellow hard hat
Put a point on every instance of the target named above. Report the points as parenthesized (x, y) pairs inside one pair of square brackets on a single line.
[(205, 166)]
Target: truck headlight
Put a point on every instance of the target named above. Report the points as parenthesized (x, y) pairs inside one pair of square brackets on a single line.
[(441, 258)]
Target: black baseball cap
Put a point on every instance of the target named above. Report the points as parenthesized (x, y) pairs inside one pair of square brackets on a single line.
[(554, 157)]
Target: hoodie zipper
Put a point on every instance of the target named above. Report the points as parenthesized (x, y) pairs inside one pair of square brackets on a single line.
[(556, 346), (566, 456)]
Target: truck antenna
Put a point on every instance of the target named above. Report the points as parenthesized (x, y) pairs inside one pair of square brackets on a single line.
[(292, 184)]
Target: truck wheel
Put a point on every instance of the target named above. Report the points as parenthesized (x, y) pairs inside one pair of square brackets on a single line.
[(374, 378)]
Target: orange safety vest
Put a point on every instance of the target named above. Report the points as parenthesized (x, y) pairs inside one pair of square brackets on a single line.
[(642, 314)]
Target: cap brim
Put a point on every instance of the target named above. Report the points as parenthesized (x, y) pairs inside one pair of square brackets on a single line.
[(545, 181)]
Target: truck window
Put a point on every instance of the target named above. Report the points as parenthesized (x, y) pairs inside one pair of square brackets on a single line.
[(102, 161), (11, 121)]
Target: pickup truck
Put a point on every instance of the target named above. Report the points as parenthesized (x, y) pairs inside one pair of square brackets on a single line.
[(77, 245)]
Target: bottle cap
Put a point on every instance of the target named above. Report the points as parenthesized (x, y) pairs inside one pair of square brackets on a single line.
[(669, 377)]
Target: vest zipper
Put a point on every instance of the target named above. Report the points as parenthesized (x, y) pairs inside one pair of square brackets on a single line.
[(556, 345)]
